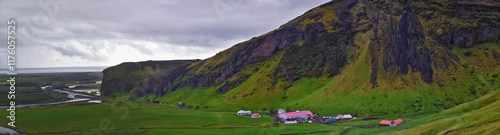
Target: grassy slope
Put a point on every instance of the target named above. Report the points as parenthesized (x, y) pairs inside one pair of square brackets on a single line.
[(480, 116), (347, 92)]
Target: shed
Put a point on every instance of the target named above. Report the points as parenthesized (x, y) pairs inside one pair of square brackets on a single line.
[(255, 115), (241, 112)]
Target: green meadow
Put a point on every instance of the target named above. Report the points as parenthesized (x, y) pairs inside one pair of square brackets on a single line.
[(123, 115), (119, 117)]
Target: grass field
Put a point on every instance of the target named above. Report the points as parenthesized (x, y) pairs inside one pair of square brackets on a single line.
[(478, 116), (87, 117)]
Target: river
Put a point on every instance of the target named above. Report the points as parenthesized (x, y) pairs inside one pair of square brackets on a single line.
[(84, 98), (4, 130)]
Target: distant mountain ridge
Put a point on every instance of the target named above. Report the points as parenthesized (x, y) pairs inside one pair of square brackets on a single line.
[(426, 56)]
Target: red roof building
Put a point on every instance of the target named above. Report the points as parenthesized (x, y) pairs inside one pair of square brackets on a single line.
[(385, 122), (297, 114), (398, 121), (255, 115), (391, 123)]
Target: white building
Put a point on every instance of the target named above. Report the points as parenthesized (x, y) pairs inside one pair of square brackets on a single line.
[(347, 116), (241, 112)]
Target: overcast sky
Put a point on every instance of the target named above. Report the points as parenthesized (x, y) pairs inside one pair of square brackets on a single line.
[(108, 32)]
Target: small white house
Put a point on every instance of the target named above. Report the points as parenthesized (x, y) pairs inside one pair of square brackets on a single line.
[(347, 116), (241, 112)]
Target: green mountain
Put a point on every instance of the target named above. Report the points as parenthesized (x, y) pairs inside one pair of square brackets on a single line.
[(361, 57)]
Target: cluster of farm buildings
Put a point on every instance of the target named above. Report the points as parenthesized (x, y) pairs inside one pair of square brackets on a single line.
[(307, 116)]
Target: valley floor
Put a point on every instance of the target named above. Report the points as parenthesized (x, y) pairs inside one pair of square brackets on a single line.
[(117, 116)]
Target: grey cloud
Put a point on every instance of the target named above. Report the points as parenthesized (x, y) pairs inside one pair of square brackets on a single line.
[(184, 23)]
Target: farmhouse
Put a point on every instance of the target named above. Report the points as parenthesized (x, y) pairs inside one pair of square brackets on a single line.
[(255, 115), (241, 112), (298, 114), (391, 123)]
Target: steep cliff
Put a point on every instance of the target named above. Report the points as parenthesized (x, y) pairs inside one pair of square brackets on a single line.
[(426, 55), (126, 76)]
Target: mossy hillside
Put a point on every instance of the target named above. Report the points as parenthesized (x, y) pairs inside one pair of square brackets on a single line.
[(330, 72), (349, 92), (481, 116), (478, 116), (125, 76)]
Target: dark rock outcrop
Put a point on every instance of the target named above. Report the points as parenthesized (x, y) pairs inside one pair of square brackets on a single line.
[(127, 76)]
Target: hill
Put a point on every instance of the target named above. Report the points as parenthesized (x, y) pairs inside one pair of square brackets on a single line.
[(362, 57)]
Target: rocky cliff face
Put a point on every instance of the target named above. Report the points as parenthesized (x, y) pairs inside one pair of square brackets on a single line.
[(418, 36), (409, 42), (127, 76)]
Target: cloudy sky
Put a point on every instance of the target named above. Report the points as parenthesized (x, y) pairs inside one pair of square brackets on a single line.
[(53, 33)]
